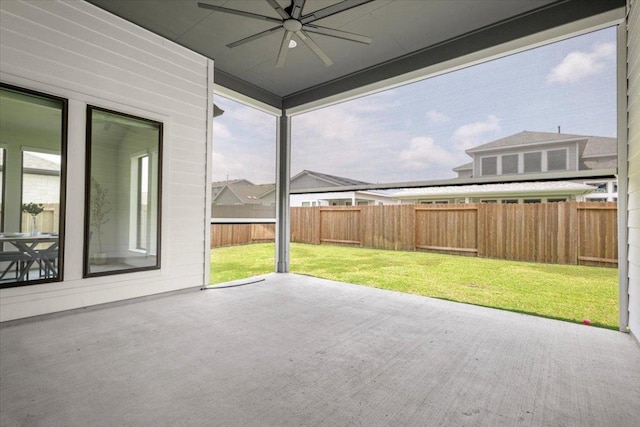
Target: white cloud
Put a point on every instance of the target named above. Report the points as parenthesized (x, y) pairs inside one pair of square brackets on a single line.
[(424, 152), (578, 65), (472, 134), (243, 143), (221, 131), (352, 139), (436, 117)]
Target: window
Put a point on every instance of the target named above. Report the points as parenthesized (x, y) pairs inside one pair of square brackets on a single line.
[(489, 165), (143, 202), (122, 228), (33, 138), (40, 185), (557, 200), (306, 204), (532, 162), (509, 164), (601, 187), (557, 160), (488, 201), (510, 201), (532, 201)]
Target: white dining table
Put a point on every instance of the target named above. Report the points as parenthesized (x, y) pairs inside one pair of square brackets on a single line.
[(30, 245)]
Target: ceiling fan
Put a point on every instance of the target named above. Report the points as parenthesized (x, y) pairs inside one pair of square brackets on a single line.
[(292, 21)]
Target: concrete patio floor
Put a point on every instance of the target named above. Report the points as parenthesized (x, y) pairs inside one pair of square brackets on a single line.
[(293, 350)]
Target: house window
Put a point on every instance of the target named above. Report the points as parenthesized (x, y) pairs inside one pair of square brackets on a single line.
[(601, 187), (306, 204), (489, 165), (143, 202), (557, 160), (557, 200), (509, 164), (363, 202), (122, 221), (488, 201), (33, 139), (510, 201), (532, 201), (532, 162), (41, 185)]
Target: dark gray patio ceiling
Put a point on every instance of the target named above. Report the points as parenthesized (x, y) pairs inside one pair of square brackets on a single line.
[(408, 35)]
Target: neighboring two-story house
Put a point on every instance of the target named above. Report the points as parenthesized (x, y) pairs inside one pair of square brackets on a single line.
[(530, 152)]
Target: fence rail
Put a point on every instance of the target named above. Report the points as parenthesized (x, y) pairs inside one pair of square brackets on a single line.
[(560, 233)]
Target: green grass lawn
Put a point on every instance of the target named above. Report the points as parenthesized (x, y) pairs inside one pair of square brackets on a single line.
[(564, 292)]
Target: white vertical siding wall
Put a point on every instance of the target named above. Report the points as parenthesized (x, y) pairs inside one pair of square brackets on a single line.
[(633, 71), (80, 52)]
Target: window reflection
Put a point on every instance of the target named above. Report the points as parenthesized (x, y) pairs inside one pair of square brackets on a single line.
[(32, 203), (123, 200)]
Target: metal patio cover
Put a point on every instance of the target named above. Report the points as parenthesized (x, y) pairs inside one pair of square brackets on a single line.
[(408, 35)]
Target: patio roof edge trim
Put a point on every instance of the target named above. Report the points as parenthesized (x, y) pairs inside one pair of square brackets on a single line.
[(250, 93)]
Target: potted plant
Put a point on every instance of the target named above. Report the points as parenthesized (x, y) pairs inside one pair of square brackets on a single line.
[(100, 209), (33, 209)]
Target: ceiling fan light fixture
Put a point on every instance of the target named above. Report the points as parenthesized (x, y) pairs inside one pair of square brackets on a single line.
[(293, 22)]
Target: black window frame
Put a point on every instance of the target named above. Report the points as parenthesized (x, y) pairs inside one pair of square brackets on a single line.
[(64, 126), (87, 196)]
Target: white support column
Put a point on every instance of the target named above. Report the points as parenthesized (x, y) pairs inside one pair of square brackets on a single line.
[(206, 274), (623, 173), (283, 218)]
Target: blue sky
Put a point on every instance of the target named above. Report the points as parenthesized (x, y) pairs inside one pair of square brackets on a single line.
[(420, 131)]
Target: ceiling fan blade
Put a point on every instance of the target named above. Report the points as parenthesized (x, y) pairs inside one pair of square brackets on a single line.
[(239, 13), (255, 36), (276, 6), (284, 48), (337, 33), (314, 48), (332, 10), (296, 10)]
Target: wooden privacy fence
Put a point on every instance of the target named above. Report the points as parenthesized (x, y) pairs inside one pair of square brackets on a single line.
[(562, 233)]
